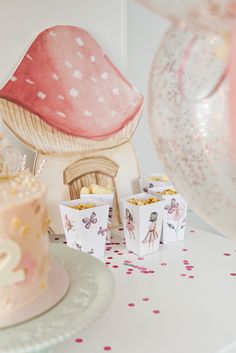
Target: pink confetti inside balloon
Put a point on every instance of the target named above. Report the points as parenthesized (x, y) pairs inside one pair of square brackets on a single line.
[(189, 116)]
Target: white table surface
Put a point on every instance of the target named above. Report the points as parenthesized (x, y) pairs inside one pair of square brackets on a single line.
[(187, 310)]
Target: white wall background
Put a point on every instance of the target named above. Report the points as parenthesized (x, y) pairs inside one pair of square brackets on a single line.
[(145, 31)]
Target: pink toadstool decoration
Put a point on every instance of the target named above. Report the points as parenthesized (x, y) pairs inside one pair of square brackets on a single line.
[(68, 101)]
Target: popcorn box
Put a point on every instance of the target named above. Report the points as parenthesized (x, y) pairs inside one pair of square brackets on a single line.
[(85, 230), (174, 215), (153, 180), (142, 224), (105, 199)]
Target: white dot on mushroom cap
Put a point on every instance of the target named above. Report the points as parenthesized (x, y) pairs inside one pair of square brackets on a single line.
[(100, 99), (77, 74), (60, 97), (41, 95), (104, 75), (93, 79), (92, 58), (29, 57), (87, 113), (61, 114), (79, 54), (52, 34), (113, 112), (13, 78), (116, 91), (73, 92), (68, 64), (29, 81), (55, 76), (79, 41)]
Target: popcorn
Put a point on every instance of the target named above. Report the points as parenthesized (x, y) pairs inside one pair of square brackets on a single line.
[(163, 178), (165, 192), (142, 202), (81, 206)]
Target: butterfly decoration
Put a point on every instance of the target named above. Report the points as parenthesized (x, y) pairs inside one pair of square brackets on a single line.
[(175, 209), (150, 185), (102, 231), (90, 252), (91, 220), (79, 247), (68, 224)]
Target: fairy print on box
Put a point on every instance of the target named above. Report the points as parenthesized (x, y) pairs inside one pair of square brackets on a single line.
[(129, 223), (152, 234), (142, 224)]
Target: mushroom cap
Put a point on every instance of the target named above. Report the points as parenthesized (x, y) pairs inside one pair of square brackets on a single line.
[(67, 81)]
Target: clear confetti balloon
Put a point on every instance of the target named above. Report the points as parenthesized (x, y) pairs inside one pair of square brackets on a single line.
[(189, 120), (208, 15)]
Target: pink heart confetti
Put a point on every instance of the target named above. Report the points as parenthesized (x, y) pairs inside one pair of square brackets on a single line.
[(156, 311), (79, 340)]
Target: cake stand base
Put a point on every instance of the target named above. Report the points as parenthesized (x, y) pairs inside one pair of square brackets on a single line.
[(58, 285), (89, 294)]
